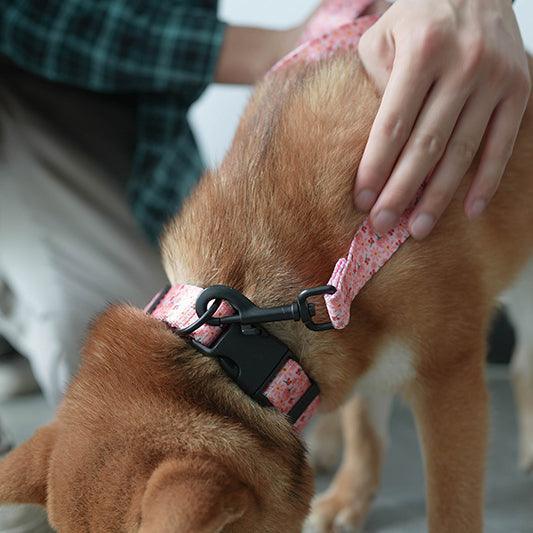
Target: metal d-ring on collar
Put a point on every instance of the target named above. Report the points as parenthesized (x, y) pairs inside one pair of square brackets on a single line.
[(202, 319), (248, 314)]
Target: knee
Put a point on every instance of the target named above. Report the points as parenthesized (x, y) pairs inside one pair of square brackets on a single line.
[(54, 352), (50, 336)]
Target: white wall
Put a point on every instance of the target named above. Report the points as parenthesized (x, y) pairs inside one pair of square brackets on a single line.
[(524, 12), (215, 116)]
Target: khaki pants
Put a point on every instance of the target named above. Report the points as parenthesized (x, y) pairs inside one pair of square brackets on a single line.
[(69, 245)]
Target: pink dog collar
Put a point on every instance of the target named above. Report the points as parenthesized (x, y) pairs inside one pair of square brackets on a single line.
[(285, 387)]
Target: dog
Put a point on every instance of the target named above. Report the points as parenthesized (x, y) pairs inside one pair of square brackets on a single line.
[(152, 436)]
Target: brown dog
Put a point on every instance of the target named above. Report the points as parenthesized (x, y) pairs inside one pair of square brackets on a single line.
[(154, 437)]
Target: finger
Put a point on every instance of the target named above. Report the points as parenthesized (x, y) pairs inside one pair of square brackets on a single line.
[(460, 152), (402, 100), (496, 152), (421, 154)]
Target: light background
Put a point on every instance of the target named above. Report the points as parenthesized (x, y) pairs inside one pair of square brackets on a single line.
[(216, 114)]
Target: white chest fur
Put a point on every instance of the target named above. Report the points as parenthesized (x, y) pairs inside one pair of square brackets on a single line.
[(391, 370)]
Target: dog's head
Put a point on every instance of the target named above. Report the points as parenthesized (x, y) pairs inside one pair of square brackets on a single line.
[(153, 437)]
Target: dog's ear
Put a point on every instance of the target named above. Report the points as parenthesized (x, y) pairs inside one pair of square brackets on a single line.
[(192, 496), (24, 471)]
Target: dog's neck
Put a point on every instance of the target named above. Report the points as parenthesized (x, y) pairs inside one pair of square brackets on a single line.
[(261, 365), (287, 158)]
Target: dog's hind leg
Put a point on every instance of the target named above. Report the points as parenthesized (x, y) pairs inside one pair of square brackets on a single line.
[(523, 390), (519, 301), (325, 442), (345, 505)]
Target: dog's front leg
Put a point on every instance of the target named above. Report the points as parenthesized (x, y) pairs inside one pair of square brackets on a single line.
[(345, 505), (450, 405)]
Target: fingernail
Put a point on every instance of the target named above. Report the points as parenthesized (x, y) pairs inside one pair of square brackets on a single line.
[(365, 200), (422, 225), (476, 209), (384, 220)]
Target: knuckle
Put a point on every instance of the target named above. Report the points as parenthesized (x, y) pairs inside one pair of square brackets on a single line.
[(393, 128), (475, 55), (400, 197), (369, 176), (432, 143), (464, 149), (428, 41)]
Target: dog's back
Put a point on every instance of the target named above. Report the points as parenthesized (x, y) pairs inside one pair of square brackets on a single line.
[(279, 213), (282, 200)]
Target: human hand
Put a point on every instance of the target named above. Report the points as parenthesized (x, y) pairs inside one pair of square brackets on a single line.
[(456, 81)]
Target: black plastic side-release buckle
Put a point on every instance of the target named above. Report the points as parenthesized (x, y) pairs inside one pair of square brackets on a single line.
[(250, 355), (252, 360)]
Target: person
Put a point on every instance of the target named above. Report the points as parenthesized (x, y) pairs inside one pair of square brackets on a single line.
[(96, 152), (455, 82)]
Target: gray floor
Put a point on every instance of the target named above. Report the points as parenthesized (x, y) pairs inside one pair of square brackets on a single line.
[(399, 507)]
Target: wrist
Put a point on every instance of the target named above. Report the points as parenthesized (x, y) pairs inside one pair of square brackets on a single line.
[(248, 53)]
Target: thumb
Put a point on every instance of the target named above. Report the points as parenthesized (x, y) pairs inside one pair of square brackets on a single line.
[(377, 50)]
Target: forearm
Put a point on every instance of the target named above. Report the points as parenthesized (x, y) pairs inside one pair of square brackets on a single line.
[(248, 53)]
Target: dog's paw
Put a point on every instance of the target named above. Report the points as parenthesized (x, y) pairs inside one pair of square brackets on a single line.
[(325, 444), (336, 512)]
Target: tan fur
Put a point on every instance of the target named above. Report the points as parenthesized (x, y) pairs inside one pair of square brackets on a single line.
[(144, 412), (154, 437), (345, 505), (193, 495)]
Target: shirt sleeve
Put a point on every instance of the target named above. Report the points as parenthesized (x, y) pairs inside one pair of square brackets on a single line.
[(114, 45)]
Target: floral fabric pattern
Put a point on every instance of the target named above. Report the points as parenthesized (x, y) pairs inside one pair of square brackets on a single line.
[(177, 309), (287, 387), (369, 251)]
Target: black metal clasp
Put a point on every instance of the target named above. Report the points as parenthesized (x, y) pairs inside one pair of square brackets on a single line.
[(247, 314), (307, 310)]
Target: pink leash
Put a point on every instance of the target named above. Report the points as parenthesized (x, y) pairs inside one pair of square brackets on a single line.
[(369, 251)]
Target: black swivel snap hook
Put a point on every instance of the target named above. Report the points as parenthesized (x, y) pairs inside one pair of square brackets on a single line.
[(248, 314)]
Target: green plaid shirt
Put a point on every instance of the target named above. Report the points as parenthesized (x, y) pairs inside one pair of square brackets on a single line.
[(163, 51)]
